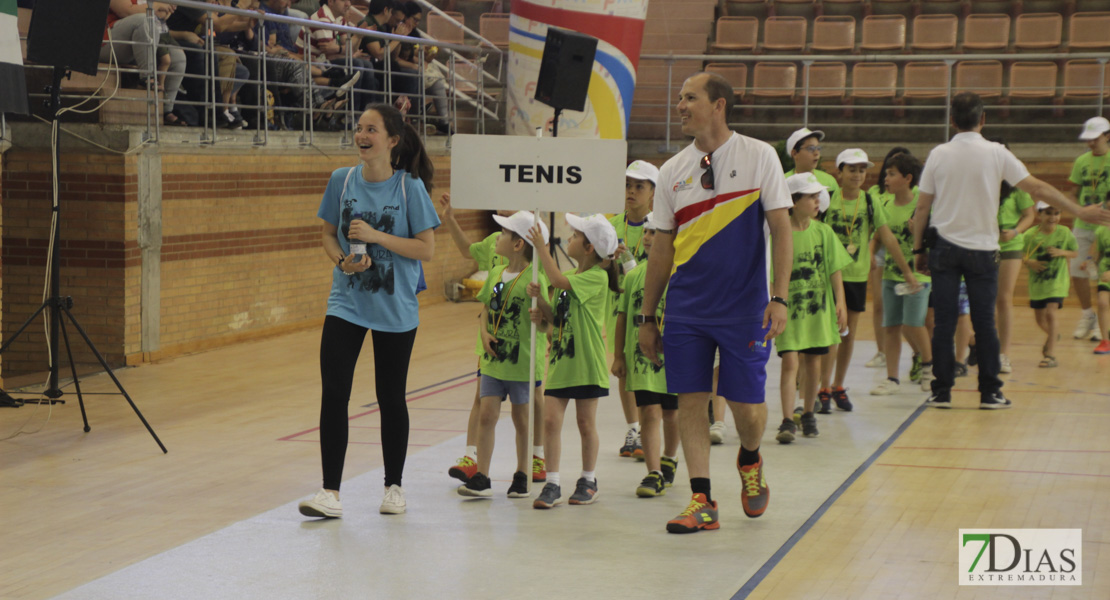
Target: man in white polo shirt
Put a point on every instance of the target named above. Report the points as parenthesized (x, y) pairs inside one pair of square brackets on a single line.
[(711, 204), (960, 185)]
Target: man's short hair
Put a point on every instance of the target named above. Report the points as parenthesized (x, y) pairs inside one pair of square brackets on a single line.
[(967, 110), (906, 164), (377, 7), (717, 87), (409, 8)]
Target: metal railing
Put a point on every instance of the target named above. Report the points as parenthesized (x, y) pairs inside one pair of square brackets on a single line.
[(470, 58)]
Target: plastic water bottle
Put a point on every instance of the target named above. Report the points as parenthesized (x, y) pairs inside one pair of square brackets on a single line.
[(903, 289), (628, 262), (358, 247)]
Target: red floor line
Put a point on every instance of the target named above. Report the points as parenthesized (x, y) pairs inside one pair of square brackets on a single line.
[(1001, 449), (991, 470)]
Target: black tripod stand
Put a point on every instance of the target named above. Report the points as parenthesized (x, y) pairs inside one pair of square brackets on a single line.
[(56, 304)]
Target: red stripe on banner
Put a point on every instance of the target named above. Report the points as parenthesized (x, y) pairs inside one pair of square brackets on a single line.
[(685, 215), (625, 33)]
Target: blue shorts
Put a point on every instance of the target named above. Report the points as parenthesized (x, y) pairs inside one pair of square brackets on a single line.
[(689, 349), (517, 391)]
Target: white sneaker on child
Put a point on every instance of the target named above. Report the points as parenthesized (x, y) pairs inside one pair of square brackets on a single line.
[(1004, 364), (877, 362), (717, 433), (394, 501), (886, 387), (1085, 326), (927, 378), (323, 504)]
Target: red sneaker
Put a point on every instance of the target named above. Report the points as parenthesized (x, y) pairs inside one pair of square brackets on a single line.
[(1103, 347), (756, 493), (539, 469), (464, 469), (697, 516)]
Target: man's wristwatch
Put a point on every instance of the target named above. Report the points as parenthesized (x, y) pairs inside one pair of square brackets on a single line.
[(779, 300), (642, 320)]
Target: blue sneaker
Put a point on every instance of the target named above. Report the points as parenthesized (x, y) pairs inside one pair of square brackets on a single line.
[(551, 495), (585, 492)]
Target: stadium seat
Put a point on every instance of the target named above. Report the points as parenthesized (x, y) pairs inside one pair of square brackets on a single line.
[(736, 34), (834, 34), (875, 80), (774, 80), (884, 32), (446, 30), (1081, 79), (784, 33), (1040, 31), (984, 77), (1034, 79), (827, 80), (986, 32), (495, 28), (735, 73), (927, 80), (935, 32), (1089, 31)]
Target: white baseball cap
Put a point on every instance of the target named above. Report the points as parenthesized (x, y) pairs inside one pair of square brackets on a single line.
[(521, 224), (1094, 127), (598, 230), (641, 169), (1041, 205), (807, 183), (853, 156), (800, 135), (649, 223)]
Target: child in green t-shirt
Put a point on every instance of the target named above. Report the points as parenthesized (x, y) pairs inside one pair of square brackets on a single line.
[(817, 312), (647, 381), (1102, 258), (880, 192), (507, 350), (574, 319), (639, 192), (487, 258), (1015, 217), (1090, 174), (1047, 250)]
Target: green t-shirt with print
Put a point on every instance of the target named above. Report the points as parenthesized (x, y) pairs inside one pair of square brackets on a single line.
[(854, 222), (1009, 213), (487, 259), (632, 234), (1054, 281), (507, 305), (1102, 240), (884, 198), (823, 178), (899, 224), (642, 373), (1092, 174), (818, 254), (577, 354)]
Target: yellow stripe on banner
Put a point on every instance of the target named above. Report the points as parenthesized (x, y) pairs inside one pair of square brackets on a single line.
[(696, 234), (602, 98)]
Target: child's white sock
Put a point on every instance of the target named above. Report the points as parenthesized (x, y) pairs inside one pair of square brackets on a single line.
[(674, 458), (552, 478), (635, 426), (537, 451), (472, 452), (589, 476)]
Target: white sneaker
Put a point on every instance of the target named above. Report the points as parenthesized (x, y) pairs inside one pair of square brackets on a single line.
[(323, 504), (1005, 366), (394, 501), (1095, 335), (1085, 326), (877, 362), (887, 387), (717, 432), (926, 378)]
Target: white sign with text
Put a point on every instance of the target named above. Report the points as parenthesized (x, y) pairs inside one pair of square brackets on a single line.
[(509, 172)]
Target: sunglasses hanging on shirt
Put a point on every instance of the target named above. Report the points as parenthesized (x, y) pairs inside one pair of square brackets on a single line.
[(707, 176)]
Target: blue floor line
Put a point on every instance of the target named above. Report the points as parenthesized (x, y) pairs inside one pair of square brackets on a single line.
[(777, 557)]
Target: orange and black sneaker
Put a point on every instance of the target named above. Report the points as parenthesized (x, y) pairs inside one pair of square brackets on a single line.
[(464, 469), (539, 469), (756, 494), (700, 514)]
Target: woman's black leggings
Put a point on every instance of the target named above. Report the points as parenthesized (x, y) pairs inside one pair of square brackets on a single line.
[(339, 350)]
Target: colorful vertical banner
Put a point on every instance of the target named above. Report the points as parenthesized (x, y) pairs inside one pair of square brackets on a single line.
[(619, 27), (13, 87)]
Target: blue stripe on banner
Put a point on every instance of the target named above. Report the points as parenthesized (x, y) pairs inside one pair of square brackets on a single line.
[(621, 75)]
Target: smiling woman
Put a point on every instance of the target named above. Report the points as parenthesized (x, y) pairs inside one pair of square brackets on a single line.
[(382, 203)]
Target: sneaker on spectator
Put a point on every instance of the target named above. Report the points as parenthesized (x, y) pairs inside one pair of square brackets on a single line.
[(348, 85), (550, 496), (809, 425), (669, 466), (840, 397), (519, 488), (1103, 347), (786, 431), (478, 486), (915, 368), (886, 387), (323, 504), (877, 362), (961, 371), (464, 469), (585, 492), (699, 514), (539, 469), (717, 433), (824, 401), (936, 400), (394, 501), (756, 494), (629, 443), (1004, 365), (994, 401), (927, 378), (652, 486), (1085, 326)]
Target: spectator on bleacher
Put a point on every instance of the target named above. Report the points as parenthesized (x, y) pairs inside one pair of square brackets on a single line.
[(435, 86), (234, 35), (331, 47), (960, 186), (131, 37), (403, 80)]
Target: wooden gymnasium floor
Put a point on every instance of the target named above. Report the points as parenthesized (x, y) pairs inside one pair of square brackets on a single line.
[(106, 515)]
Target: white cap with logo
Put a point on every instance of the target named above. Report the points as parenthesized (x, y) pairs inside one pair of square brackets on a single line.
[(1094, 127), (641, 169), (649, 223), (853, 156), (521, 224), (801, 134), (598, 230), (806, 183)]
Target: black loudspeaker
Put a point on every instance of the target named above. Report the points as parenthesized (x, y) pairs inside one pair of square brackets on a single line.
[(568, 60), (67, 34)]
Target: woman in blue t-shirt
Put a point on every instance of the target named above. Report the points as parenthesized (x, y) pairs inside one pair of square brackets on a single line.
[(382, 203)]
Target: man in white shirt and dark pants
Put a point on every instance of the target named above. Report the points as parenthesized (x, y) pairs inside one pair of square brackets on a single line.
[(961, 185)]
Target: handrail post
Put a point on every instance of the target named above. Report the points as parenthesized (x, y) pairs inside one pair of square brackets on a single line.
[(211, 83), (262, 133), (806, 64), (1101, 83), (948, 100)]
